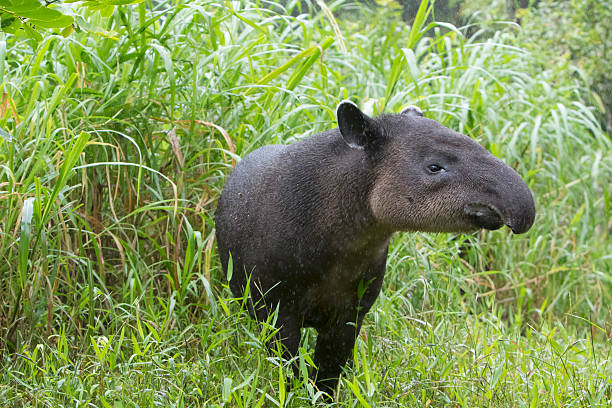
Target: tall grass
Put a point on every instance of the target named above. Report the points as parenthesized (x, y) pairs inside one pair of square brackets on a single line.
[(115, 145)]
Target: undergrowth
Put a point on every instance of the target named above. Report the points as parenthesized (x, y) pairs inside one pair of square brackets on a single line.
[(115, 144)]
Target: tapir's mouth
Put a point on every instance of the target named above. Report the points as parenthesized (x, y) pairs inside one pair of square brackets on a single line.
[(484, 215)]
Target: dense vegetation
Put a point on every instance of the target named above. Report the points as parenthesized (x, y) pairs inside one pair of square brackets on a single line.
[(115, 142)]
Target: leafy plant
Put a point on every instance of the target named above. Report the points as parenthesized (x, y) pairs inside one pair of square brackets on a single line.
[(34, 18)]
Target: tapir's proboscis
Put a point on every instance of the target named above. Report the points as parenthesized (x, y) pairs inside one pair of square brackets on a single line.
[(308, 225)]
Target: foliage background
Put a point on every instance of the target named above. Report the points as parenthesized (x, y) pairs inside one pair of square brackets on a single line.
[(117, 134)]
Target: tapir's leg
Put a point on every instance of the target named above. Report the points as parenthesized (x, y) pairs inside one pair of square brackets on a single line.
[(334, 347), (289, 335), (288, 338), (265, 304), (335, 343)]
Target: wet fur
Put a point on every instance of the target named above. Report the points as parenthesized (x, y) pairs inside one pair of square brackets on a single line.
[(310, 223)]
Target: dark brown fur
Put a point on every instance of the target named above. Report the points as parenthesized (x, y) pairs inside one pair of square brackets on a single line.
[(310, 222)]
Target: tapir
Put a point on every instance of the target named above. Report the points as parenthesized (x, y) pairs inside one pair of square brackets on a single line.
[(307, 225)]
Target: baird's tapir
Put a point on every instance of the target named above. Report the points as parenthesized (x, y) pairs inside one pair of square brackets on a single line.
[(309, 224)]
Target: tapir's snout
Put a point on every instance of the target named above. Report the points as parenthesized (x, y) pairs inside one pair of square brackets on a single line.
[(518, 206), (520, 221), (490, 217), (511, 204)]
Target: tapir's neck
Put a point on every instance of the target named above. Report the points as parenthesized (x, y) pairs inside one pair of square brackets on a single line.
[(345, 215)]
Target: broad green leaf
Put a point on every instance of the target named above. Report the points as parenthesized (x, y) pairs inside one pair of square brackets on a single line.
[(37, 15), (60, 21), (31, 33), (107, 11), (67, 31), (12, 26)]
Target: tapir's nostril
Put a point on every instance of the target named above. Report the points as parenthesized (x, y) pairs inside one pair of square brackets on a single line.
[(484, 215)]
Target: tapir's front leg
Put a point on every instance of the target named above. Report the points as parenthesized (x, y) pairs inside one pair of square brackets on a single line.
[(287, 338), (334, 347), (335, 342)]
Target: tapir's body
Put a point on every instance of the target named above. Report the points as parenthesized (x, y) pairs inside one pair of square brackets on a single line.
[(309, 223)]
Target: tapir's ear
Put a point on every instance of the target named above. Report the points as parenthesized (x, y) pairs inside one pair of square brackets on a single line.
[(357, 129), (412, 110)]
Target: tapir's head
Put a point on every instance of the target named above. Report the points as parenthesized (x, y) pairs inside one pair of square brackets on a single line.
[(431, 178)]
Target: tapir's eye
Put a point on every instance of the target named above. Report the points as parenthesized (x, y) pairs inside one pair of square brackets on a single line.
[(434, 168)]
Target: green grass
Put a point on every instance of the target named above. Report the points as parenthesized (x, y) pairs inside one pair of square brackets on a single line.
[(115, 145)]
